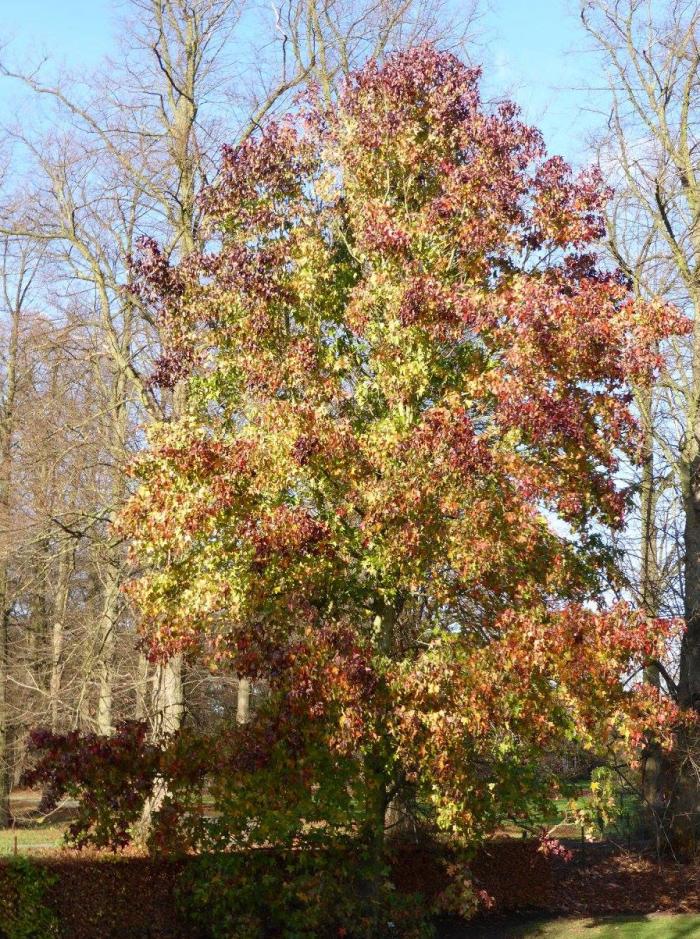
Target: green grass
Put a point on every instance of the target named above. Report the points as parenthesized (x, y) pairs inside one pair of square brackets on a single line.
[(30, 839), (557, 818), (657, 926)]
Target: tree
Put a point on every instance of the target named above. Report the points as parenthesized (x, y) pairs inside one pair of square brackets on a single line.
[(408, 393), (651, 58), (17, 272)]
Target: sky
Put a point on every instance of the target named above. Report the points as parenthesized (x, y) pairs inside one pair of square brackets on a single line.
[(535, 51), (76, 31), (529, 48)]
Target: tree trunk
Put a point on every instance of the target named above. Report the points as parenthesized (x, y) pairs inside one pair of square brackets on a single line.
[(107, 640), (5, 611), (168, 711), (654, 766), (141, 709), (243, 701), (689, 682), (4, 716), (685, 808), (377, 801), (7, 429), (168, 701), (377, 775), (66, 562)]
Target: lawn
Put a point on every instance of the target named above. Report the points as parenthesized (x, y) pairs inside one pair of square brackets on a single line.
[(558, 819), (33, 831), (40, 838), (656, 926)]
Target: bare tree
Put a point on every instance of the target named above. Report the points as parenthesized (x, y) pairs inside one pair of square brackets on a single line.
[(18, 264), (651, 60)]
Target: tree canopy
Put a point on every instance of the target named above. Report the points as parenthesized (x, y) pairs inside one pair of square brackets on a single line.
[(407, 378)]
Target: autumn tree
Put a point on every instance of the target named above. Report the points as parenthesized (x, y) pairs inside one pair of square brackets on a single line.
[(408, 391)]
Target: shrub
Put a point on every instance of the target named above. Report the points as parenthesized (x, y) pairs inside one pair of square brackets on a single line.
[(297, 895), (24, 912)]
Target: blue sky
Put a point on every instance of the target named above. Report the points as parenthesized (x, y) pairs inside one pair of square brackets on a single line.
[(77, 31), (536, 52), (529, 52)]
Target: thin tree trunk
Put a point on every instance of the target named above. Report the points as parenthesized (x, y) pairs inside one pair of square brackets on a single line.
[(141, 709), (689, 682), (107, 640), (654, 766), (66, 563), (56, 669), (7, 428), (689, 685), (4, 716)]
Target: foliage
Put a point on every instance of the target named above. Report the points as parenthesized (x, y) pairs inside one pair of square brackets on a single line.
[(605, 806), (461, 897), (298, 895), (407, 379), (109, 777), (24, 913), (401, 354)]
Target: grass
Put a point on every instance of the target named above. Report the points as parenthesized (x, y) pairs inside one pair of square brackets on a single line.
[(656, 926), (623, 927), (30, 839), (32, 831)]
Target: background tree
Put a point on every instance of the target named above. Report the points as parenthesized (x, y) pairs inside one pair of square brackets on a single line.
[(18, 270), (651, 58)]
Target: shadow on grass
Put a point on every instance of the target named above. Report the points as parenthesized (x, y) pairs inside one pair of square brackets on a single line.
[(644, 927), (618, 927), (498, 927)]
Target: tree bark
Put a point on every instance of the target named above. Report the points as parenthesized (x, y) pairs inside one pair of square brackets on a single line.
[(7, 430), (243, 701), (655, 766), (141, 708), (4, 716), (168, 712), (66, 561), (689, 683), (168, 700)]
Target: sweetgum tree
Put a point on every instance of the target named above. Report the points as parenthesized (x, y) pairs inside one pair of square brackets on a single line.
[(408, 394)]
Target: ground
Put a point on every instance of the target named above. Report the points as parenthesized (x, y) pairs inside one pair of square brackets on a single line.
[(623, 893)]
